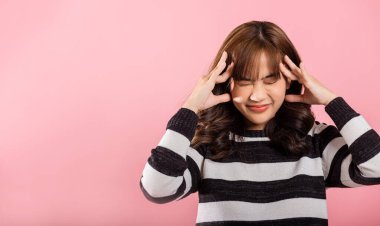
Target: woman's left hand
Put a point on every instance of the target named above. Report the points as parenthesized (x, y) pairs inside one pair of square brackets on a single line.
[(314, 92)]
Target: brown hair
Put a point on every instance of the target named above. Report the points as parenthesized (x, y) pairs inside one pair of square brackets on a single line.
[(288, 129)]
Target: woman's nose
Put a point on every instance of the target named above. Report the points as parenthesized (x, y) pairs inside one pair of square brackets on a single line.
[(258, 93)]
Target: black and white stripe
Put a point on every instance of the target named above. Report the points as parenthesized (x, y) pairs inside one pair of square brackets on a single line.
[(259, 184), (172, 172), (350, 151)]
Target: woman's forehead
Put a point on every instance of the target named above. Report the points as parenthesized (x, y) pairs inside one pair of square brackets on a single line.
[(256, 64)]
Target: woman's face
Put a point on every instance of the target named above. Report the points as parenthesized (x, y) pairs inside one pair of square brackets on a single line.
[(266, 90)]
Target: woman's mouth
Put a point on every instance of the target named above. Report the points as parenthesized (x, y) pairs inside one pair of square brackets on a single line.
[(258, 108)]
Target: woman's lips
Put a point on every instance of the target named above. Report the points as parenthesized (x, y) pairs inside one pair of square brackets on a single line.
[(258, 108)]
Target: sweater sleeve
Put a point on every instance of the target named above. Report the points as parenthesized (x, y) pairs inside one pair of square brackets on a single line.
[(173, 170), (350, 150)]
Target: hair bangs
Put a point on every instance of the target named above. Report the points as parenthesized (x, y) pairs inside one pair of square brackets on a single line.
[(247, 60)]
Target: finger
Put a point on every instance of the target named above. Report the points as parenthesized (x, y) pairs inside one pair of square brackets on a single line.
[(221, 60), (223, 77), (302, 67), (308, 79), (219, 67), (223, 98), (294, 98), (296, 70), (286, 72), (303, 70), (208, 75)]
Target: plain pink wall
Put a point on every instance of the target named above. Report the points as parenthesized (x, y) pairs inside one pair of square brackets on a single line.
[(87, 87)]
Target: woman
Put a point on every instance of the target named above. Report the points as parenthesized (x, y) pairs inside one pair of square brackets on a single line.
[(247, 141)]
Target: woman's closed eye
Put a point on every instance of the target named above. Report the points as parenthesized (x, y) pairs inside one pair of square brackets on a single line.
[(267, 80), (270, 79)]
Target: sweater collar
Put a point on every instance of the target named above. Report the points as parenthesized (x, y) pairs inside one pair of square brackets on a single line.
[(250, 133)]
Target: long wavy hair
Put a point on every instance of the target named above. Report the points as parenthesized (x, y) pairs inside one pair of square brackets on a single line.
[(289, 127)]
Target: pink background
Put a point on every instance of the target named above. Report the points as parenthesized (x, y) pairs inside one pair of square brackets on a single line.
[(87, 87)]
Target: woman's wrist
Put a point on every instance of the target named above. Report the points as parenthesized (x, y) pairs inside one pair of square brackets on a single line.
[(332, 97), (190, 107)]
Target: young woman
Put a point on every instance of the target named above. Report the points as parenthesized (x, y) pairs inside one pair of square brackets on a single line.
[(247, 141)]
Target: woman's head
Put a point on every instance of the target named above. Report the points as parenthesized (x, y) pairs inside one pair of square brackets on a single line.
[(256, 48), (266, 89)]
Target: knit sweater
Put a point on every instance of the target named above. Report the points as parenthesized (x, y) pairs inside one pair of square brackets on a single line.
[(259, 185)]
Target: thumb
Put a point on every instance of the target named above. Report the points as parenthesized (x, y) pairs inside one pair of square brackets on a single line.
[(223, 98), (294, 98)]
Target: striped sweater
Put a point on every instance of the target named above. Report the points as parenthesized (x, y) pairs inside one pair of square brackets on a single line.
[(259, 185)]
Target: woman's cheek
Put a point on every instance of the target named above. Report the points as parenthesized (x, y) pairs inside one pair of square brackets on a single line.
[(238, 99), (237, 96)]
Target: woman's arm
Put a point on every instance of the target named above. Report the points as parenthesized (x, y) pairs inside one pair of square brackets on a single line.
[(172, 171), (351, 150)]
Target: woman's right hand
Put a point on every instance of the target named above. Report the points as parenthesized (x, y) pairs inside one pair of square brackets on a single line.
[(202, 97)]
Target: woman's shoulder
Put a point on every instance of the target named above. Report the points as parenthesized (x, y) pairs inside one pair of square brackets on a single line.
[(321, 129), (317, 128), (201, 148)]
